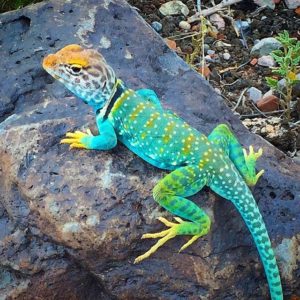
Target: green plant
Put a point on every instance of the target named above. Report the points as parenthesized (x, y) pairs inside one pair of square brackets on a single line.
[(288, 59), (7, 5), (198, 46)]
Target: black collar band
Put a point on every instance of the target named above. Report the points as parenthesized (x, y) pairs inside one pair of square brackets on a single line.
[(118, 92)]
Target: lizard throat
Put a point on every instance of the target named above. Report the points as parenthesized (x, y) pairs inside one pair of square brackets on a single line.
[(117, 91)]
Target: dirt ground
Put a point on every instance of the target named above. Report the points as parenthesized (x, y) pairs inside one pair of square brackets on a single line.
[(231, 77)]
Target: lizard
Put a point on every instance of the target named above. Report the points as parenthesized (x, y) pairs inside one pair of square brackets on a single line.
[(137, 119)]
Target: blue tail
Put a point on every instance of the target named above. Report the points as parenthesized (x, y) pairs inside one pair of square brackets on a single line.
[(231, 186)]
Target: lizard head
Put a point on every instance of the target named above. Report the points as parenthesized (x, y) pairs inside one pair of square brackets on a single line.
[(84, 72)]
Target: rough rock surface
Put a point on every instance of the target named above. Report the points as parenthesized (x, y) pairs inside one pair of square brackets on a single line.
[(70, 221)]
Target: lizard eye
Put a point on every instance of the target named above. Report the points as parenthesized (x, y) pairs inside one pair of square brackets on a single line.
[(74, 69)]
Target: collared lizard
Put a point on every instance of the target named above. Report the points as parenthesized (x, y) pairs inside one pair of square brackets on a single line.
[(137, 119)]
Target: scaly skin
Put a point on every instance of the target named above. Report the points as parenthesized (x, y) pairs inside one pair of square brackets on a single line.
[(137, 119)]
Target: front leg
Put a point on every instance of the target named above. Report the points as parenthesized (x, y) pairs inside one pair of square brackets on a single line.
[(105, 141)]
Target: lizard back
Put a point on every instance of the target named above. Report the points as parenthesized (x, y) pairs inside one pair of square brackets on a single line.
[(157, 135)]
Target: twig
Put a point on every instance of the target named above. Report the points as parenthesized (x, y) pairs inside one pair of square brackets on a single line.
[(259, 111), (242, 34), (229, 84), (234, 67), (227, 69), (185, 37), (199, 6), (258, 115), (181, 34), (240, 99), (244, 64), (295, 125), (258, 11), (211, 10)]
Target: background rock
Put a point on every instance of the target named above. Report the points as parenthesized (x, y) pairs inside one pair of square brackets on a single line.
[(71, 221), (174, 7), (265, 46), (292, 4)]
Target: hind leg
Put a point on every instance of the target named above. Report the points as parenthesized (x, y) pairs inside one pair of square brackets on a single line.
[(243, 161), (170, 193)]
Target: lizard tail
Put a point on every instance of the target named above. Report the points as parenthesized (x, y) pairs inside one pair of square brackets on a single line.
[(240, 195)]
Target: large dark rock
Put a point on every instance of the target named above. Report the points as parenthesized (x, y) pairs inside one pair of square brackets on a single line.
[(71, 220)]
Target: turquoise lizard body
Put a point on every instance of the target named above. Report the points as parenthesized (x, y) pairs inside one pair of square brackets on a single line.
[(137, 119)]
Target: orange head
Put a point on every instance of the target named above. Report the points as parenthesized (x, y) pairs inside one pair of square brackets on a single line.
[(84, 72)]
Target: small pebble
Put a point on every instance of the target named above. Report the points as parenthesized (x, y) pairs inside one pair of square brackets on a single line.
[(211, 52), (156, 26), (244, 25), (268, 93), (174, 7), (222, 44), (218, 91), (292, 4), (196, 27), (226, 56), (269, 103), (266, 61), (185, 25), (209, 40), (208, 58), (265, 46), (218, 21), (253, 61), (254, 94), (206, 48)]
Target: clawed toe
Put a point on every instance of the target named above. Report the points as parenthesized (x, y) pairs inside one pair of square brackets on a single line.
[(165, 235), (250, 159), (191, 241), (252, 155), (74, 139)]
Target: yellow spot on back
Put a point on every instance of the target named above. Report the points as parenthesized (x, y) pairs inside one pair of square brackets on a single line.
[(187, 144), (153, 117), (168, 131), (136, 111)]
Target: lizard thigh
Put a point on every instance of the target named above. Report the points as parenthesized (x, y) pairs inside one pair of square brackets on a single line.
[(171, 191), (223, 137)]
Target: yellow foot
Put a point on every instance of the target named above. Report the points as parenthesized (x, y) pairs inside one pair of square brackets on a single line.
[(164, 236), (252, 155), (75, 139), (251, 159)]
